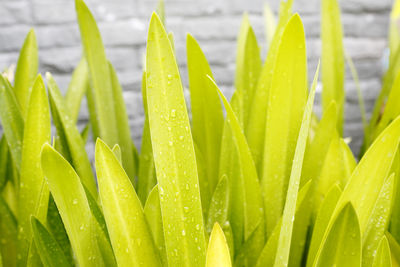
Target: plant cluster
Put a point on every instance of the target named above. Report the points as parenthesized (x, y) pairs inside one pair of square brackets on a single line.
[(255, 181)]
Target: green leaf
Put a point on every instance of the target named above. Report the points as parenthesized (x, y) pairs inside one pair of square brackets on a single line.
[(392, 109), (70, 198), (378, 222), (332, 59), (152, 211), (56, 227), (229, 167), (287, 100), (342, 246), (317, 150), (70, 138), (147, 173), (253, 211), (370, 174), (207, 117), (33, 192), (219, 205), (12, 120), (99, 73), (130, 237), (5, 161), (337, 168), (394, 248), (49, 250), (26, 71), (248, 67), (160, 10), (258, 113), (8, 235), (77, 88), (174, 154), (218, 250), (321, 222), (268, 254), (285, 236), (383, 257), (269, 24), (123, 129)]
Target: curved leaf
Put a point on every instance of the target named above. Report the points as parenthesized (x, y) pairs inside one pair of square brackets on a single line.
[(286, 104), (12, 120), (332, 59), (26, 71), (99, 73), (152, 211), (50, 252), (378, 222), (123, 213), (70, 198), (218, 250), (383, 257), (77, 89), (253, 211), (33, 192), (207, 117), (258, 113), (71, 140), (342, 246), (321, 222), (174, 154)]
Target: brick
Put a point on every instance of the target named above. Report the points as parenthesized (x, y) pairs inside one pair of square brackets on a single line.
[(359, 6), (184, 7), (64, 35), (53, 12), (127, 32), (12, 37), (124, 58), (14, 12), (60, 60)]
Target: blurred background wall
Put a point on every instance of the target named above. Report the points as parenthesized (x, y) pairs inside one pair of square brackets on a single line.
[(214, 23)]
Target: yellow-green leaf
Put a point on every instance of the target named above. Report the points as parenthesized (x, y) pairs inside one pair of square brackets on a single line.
[(342, 246), (174, 154), (287, 99), (33, 192), (268, 254), (383, 257), (321, 222), (378, 222), (218, 250), (49, 250), (332, 59), (146, 173), (253, 211), (12, 120), (124, 133), (8, 235), (77, 89), (207, 117), (130, 237), (152, 211), (70, 198), (26, 71), (71, 139), (258, 113), (285, 236), (248, 67), (99, 73)]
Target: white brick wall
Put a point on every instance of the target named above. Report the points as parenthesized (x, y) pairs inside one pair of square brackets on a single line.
[(215, 23)]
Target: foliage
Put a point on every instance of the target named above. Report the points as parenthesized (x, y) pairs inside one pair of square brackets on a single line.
[(255, 181)]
